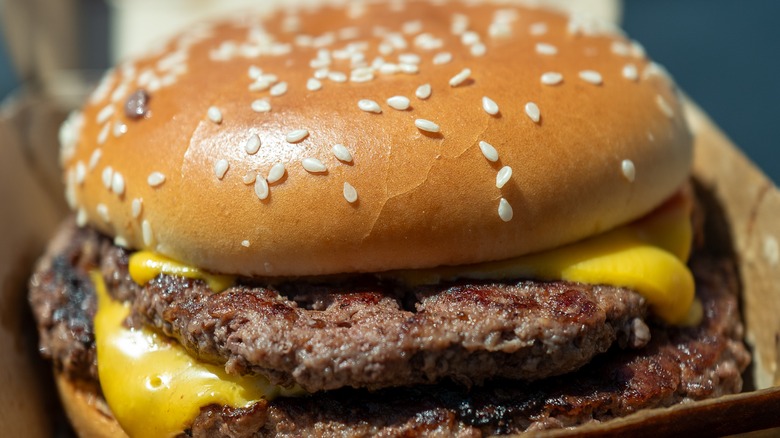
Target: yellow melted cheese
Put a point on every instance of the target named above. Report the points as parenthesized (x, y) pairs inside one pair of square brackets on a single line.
[(153, 387), (145, 265), (647, 256)]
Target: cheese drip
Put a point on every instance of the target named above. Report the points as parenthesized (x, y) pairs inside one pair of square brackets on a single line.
[(145, 265), (647, 256), (153, 387)]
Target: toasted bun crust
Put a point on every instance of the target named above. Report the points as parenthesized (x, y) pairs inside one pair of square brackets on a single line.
[(423, 199), (87, 411)]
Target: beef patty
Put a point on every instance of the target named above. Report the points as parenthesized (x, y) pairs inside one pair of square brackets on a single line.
[(361, 333), (678, 363)]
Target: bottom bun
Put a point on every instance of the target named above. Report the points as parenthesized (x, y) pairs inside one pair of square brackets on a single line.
[(87, 411)]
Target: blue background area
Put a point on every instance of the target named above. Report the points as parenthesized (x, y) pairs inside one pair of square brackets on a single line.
[(724, 53)]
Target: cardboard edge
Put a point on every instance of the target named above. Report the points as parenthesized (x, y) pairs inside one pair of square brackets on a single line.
[(751, 203)]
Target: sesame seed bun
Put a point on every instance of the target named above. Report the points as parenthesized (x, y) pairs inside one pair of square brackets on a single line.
[(164, 155)]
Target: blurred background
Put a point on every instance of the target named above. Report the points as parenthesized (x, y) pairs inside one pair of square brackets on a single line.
[(723, 53)]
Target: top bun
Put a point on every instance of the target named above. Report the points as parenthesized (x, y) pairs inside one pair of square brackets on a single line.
[(592, 130)]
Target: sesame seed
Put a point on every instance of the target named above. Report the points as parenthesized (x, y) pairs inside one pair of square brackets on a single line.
[(103, 135), (478, 49), (136, 207), (630, 72), (350, 194), (105, 114), (261, 188), (409, 69), (107, 176), (278, 89), (409, 58), (591, 76), (81, 217), (489, 105), (120, 242), (270, 78), (498, 29), (260, 85), (505, 210), (637, 50), (546, 49), (490, 153), (412, 27), (321, 73), (385, 48), (653, 68), (503, 175), (313, 165), (426, 125), (369, 106), (118, 184), (155, 179), (119, 92), (538, 29), (469, 37), (313, 84), (423, 91), (400, 103), (619, 48), (442, 58), (319, 63), (397, 41), (250, 177), (102, 210), (94, 158), (664, 106), (460, 77), (628, 169), (254, 72), (552, 78), (252, 144), (342, 153), (168, 80), (146, 232), (532, 111), (119, 129), (245, 243), (152, 84), (261, 106), (275, 173), (460, 23), (337, 76), (220, 168), (427, 41), (81, 172), (389, 69), (214, 114), (296, 136)]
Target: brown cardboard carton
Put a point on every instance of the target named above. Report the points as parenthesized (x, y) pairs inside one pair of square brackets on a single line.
[(30, 210), (31, 206)]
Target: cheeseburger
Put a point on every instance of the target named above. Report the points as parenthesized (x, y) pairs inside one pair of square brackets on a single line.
[(420, 218)]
